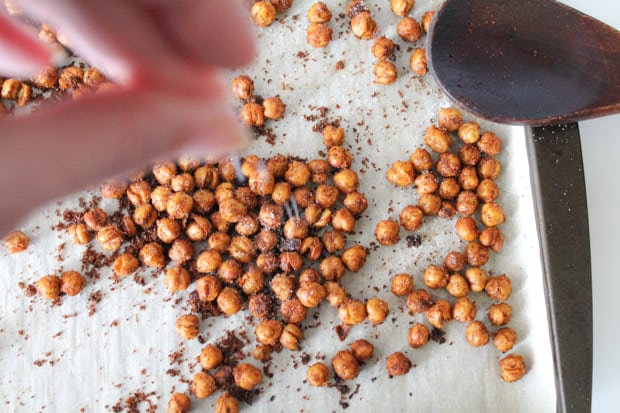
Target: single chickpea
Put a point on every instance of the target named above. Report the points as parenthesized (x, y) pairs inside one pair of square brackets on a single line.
[(512, 368), (46, 77), (230, 270), (95, 219), (227, 403), (243, 87), (312, 247), (333, 241), (418, 335), (262, 353), (346, 365), (203, 385), (333, 136), (377, 311), (277, 165), (385, 72), (281, 193), (206, 177), (177, 279), (188, 163), (49, 287), (469, 133), (332, 268), (168, 230), (311, 294), (159, 197), (426, 20), (70, 77), (449, 188), (477, 279), (493, 238), (297, 173), (179, 403), (343, 220), (247, 376), (476, 334), (438, 313), (283, 286), (469, 155), (429, 204), (318, 375), (467, 229), (411, 218), (270, 215), (182, 182), (231, 211), (266, 240), (252, 281), (319, 13), (418, 62), (491, 214), (295, 228), (242, 249), (163, 172), (419, 301), (229, 301), (187, 326), (93, 78), (498, 287), (401, 7), (113, 188), (489, 143), (409, 29), (362, 350), (263, 13), (500, 314), (152, 255), (261, 306), (447, 210), (10, 89), (487, 191), (110, 237), (252, 114), (448, 165), (181, 251), (454, 261), (468, 178), (477, 255), (208, 288), (17, 241), (71, 283), (457, 286), (304, 197), (387, 232), (354, 257), (339, 158), (464, 310), (504, 339), (397, 364), (290, 261), (145, 215), (211, 357), (309, 275), (382, 48), (426, 183), (335, 293), (268, 262), (401, 173), (363, 26), (282, 5), (489, 168), (125, 264), (273, 107), (450, 119), (438, 140), (293, 311), (435, 277), (466, 203), (346, 180), (318, 35), (421, 160), (352, 312), (402, 284), (291, 336), (179, 205)]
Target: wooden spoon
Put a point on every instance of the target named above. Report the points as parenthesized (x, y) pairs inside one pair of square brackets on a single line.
[(534, 62)]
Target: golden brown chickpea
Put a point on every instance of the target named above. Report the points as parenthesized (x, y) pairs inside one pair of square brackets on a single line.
[(409, 30), (211, 357), (168, 230), (335, 294), (418, 62), (464, 310), (363, 26), (487, 191), (252, 114), (243, 87), (401, 173), (277, 165), (242, 249), (128, 227), (227, 403), (339, 158), (352, 312), (476, 334), (449, 189), (268, 263), (179, 205), (208, 288), (273, 107), (297, 173), (500, 314), (332, 268), (466, 203), (319, 168), (230, 270), (71, 283), (313, 213), (283, 286), (402, 284), (110, 237), (489, 143), (229, 301), (512, 368), (435, 276), (179, 403), (504, 339), (362, 350), (333, 136), (247, 376), (343, 220), (426, 183), (252, 281), (290, 261), (177, 279), (446, 210), (182, 182), (304, 197), (152, 255), (312, 247), (206, 177), (226, 170), (448, 165), (418, 335), (454, 261), (491, 214), (145, 215), (261, 307), (309, 275), (438, 313), (429, 204), (401, 7), (469, 133), (450, 119), (477, 255), (477, 279), (385, 72), (326, 195), (113, 188), (469, 155), (346, 365), (163, 172), (70, 77), (377, 310), (291, 336), (262, 353), (311, 294), (181, 251), (232, 210), (10, 89), (397, 364), (263, 13), (49, 287), (159, 197), (354, 257), (319, 13), (95, 219), (382, 48), (17, 241), (318, 35), (419, 301), (125, 264), (489, 168), (281, 193), (498, 287), (493, 238), (270, 215), (426, 20), (46, 78), (346, 180), (203, 385), (468, 178), (293, 311), (187, 326), (387, 232), (421, 160), (467, 229), (282, 5), (411, 218), (457, 286), (318, 375), (266, 240), (333, 241)]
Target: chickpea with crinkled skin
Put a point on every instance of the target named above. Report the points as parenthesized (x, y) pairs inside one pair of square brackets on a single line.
[(447, 210), (466, 203), (110, 237), (243, 87), (363, 26), (210, 357), (125, 264), (179, 403), (476, 334), (418, 62), (181, 251), (227, 403), (426, 183), (411, 218), (263, 13), (493, 238), (449, 119), (467, 229), (187, 326), (409, 29), (469, 155), (152, 255), (291, 336), (489, 143), (419, 301), (397, 364), (318, 35), (96, 218), (208, 288), (346, 180), (401, 7), (418, 335), (230, 301), (477, 254), (468, 178), (449, 189), (352, 312), (293, 311), (297, 173), (71, 283), (319, 13), (487, 191), (262, 352), (363, 350), (17, 241), (335, 293), (457, 286), (354, 257), (469, 133), (489, 168), (318, 375), (177, 279), (438, 140), (247, 376), (504, 339), (385, 72), (448, 165), (435, 276), (477, 279), (438, 313), (382, 48), (253, 114), (70, 77), (512, 368), (168, 230), (402, 284), (49, 287), (387, 232), (464, 310), (499, 314), (454, 261), (491, 214), (401, 173), (203, 385), (377, 311), (311, 294), (282, 5), (339, 158), (499, 287), (346, 365), (430, 204), (343, 220), (421, 160), (312, 247), (333, 136)]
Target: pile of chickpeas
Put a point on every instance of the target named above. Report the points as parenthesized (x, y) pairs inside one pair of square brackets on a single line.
[(456, 183)]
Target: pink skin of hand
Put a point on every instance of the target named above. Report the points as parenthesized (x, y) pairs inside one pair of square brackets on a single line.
[(167, 56)]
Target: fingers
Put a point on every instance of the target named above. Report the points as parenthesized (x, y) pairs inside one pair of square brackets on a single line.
[(22, 53)]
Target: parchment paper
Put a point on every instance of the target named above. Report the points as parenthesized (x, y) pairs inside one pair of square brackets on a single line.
[(60, 359)]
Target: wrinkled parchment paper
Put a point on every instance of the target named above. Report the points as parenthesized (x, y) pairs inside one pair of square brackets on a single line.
[(60, 359)]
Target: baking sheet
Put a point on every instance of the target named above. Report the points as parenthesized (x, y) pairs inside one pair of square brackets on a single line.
[(58, 358)]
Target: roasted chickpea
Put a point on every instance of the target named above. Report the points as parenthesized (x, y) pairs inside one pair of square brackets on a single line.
[(343, 220), (247, 376), (450, 119), (335, 293), (411, 218), (467, 229), (476, 334), (10, 89), (363, 26), (179, 205), (188, 163), (387, 232), (449, 189), (354, 257), (211, 357), (457, 286), (247, 225), (139, 192), (49, 287), (500, 314), (252, 281), (229, 301), (385, 72), (318, 35), (464, 310), (208, 288), (401, 173), (303, 196), (273, 107), (333, 241), (182, 182), (435, 276), (397, 364), (377, 310), (426, 183), (263, 13), (261, 306), (179, 403), (293, 311), (281, 193), (339, 158), (169, 230), (283, 286), (438, 140), (242, 87), (352, 312), (409, 30), (177, 278), (145, 215), (382, 48), (438, 313), (418, 62), (402, 284), (332, 268), (291, 336), (297, 173), (252, 114), (333, 136), (290, 261), (401, 7), (187, 326), (309, 275), (469, 155), (418, 335), (113, 188), (477, 279), (318, 375), (242, 249), (311, 294), (491, 214), (419, 301), (268, 263), (206, 177), (230, 270), (362, 350), (70, 77), (448, 165), (319, 13), (346, 180), (346, 365), (498, 287), (266, 240), (476, 254), (159, 197), (454, 261), (181, 251), (270, 215), (227, 403), (203, 385), (46, 77), (421, 160), (504, 339), (489, 143), (466, 203), (71, 283), (152, 255), (319, 169), (429, 204), (125, 264), (468, 178), (487, 191), (262, 353), (326, 195), (95, 219), (493, 238), (282, 5), (110, 237), (312, 247), (469, 133), (208, 261), (489, 168), (17, 241), (446, 210)]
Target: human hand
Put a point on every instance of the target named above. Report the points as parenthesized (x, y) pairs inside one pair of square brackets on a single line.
[(166, 56)]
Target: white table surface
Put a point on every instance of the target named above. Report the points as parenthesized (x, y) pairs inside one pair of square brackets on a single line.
[(601, 149)]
